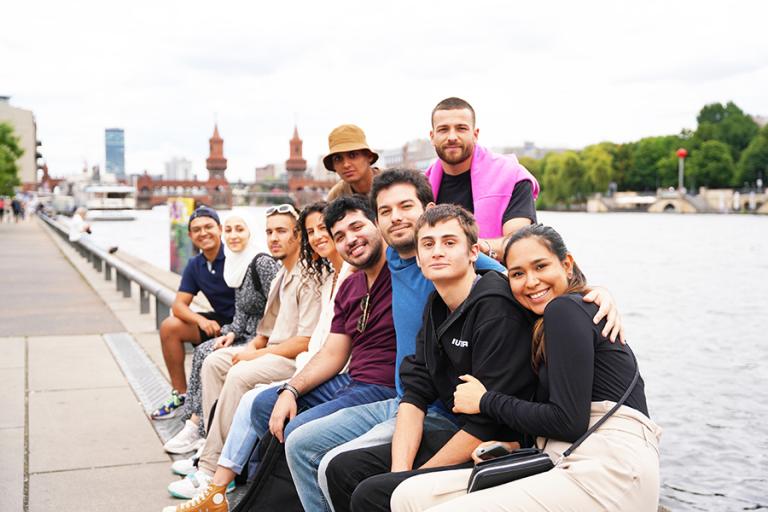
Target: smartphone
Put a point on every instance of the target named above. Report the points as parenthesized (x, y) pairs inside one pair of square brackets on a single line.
[(491, 451)]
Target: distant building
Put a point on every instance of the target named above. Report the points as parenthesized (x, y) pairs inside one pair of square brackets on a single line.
[(24, 127), (530, 150), (114, 142), (415, 154), (760, 120), (266, 173), (178, 169)]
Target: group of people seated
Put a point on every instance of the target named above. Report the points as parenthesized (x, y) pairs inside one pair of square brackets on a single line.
[(394, 333)]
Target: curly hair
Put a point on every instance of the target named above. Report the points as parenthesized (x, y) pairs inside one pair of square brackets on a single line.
[(314, 265)]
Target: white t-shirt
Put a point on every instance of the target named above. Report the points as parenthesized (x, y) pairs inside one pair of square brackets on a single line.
[(76, 225)]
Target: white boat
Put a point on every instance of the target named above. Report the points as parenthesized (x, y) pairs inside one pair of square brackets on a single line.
[(108, 202)]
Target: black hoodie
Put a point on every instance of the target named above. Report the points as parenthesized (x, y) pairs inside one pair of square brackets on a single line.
[(488, 337)]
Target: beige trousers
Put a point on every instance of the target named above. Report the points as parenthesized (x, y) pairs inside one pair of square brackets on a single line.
[(616, 468), (227, 382)]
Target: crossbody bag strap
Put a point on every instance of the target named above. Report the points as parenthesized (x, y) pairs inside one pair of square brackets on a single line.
[(606, 415)]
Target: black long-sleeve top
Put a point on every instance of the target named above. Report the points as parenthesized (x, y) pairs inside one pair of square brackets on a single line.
[(488, 336), (581, 366)]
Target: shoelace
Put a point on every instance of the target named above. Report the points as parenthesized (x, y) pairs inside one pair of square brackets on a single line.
[(196, 500)]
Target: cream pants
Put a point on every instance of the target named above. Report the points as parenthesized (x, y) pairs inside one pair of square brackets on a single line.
[(614, 469), (227, 382)]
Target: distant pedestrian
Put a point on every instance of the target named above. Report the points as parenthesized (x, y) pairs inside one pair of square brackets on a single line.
[(17, 208), (2, 209), (78, 226)]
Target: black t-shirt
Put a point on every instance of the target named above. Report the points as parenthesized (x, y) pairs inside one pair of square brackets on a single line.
[(458, 190)]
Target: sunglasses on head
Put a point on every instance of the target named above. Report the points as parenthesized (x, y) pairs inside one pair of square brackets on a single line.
[(283, 208)]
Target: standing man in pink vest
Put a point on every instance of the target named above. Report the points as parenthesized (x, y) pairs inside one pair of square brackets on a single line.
[(496, 188)]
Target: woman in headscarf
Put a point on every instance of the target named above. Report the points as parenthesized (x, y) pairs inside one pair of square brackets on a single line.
[(250, 273)]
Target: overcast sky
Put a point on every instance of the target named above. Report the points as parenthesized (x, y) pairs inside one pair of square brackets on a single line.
[(567, 73)]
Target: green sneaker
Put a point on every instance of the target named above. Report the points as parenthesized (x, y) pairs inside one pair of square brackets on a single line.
[(169, 409)]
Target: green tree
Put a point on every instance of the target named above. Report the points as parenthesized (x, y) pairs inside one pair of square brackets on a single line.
[(598, 167), (754, 160), (654, 163), (711, 165), (726, 123), (563, 178), (10, 152)]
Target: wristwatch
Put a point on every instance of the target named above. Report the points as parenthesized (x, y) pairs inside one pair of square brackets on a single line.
[(293, 390)]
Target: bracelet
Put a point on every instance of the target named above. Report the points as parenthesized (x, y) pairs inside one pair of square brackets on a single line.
[(491, 252), (293, 390)]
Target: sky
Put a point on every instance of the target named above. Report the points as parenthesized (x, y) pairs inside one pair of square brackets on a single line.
[(558, 73)]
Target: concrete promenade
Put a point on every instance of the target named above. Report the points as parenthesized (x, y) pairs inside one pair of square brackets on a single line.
[(73, 435)]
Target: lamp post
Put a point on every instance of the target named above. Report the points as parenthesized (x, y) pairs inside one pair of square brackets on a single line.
[(681, 154)]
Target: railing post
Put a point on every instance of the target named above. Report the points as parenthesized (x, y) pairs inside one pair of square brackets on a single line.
[(143, 301), (97, 263), (107, 271), (126, 287), (161, 312)]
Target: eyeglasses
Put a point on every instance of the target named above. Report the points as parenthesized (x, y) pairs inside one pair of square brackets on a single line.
[(283, 208), (363, 321)]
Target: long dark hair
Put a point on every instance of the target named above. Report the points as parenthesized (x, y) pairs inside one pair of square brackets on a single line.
[(314, 265), (577, 282)]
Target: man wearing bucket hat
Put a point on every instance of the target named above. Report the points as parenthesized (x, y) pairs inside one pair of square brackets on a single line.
[(350, 157)]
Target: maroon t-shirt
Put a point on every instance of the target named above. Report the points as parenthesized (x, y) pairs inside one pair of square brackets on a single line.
[(373, 350)]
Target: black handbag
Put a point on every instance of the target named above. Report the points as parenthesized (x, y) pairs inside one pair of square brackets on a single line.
[(532, 461)]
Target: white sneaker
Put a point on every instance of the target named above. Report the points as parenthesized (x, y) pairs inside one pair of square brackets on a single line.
[(185, 441), (192, 485), (186, 467)]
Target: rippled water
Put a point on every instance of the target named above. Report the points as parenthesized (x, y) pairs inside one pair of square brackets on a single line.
[(693, 291)]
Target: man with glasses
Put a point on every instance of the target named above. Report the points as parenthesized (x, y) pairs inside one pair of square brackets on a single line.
[(290, 315), (204, 272)]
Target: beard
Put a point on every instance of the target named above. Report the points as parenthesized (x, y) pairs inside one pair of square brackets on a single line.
[(402, 246), (466, 152), (373, 257)]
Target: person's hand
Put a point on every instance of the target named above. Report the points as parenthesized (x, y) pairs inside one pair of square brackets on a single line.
[(510, 447), (209, 327), (608, 310), (248, 354), (224, 341), (466, 398), (285, 408)]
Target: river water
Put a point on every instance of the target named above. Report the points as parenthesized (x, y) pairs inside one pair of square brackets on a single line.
[(693, 292)]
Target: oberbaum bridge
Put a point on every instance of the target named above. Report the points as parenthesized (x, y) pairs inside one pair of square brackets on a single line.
[(299, 188)]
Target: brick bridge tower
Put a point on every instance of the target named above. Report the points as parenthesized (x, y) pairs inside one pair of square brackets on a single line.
[(216, 163), (295, 165)]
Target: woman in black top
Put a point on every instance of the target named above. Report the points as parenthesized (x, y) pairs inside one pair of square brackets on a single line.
[(581, 376)]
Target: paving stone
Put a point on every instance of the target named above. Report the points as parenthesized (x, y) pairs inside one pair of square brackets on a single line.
[(12, 398), (13, 352), (135, 488), (93, 427), (71, 362), (12, 469)]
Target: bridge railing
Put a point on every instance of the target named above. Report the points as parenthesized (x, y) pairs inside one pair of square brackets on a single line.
[(124, 274)]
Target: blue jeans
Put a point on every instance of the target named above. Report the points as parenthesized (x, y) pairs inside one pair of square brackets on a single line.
[(337, 393), (243, 434), (311, 447)]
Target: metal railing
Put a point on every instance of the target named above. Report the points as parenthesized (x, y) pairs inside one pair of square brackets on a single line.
[(102, 261)]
